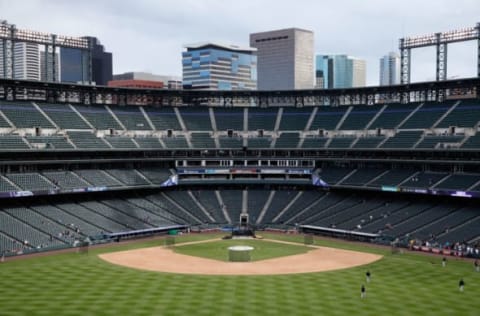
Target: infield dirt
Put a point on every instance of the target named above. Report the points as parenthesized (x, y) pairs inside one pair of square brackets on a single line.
[(164, 259)]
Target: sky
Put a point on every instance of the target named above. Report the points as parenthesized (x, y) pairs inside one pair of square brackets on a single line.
[(149, 35)]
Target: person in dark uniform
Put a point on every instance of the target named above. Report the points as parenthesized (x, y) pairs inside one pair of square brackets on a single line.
[(461, 285), (363, 292), (368, 275)]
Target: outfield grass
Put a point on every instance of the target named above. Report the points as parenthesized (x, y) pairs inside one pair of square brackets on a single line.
[(218, 250), (76, 284)]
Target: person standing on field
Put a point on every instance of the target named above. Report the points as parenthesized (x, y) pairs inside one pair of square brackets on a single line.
[(363, 292)]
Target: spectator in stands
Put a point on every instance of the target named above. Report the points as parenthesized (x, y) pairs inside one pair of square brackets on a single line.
[(461, 285), (363, 292)]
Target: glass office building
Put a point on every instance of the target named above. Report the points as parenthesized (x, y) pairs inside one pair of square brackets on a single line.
[(74, 65), (214, 66), (339, 71), (390, 69)]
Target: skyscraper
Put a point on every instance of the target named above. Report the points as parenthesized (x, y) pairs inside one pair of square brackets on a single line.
[(26, 61), (46, 67), (390, 69), (74, 65), (339, 71), (102, 69), (218, 66), (285, 59)]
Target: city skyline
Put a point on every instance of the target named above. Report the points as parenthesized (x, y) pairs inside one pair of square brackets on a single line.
[(149, 36)]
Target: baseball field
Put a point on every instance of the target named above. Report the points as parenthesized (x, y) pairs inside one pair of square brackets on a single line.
[(88, 284)]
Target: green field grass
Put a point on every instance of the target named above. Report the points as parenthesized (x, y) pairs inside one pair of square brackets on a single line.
[(218, 250), (83, 284)]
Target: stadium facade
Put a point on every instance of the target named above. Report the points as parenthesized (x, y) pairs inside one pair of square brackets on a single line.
[(109, 163)]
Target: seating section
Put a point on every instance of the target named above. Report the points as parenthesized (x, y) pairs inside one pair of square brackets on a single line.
[(30, 181), (208, 200), (98, 117), (424, 179), (232, 203), (472, 142), (230, 142), (439, 142), (81, 122), (294, 119), (196, 119), (392, 116), (98, 178), (466, 114), (56, 231), (64, 116), (131, 222), (226, 119), (24, 233), (49, 142), (327, 118), (24, 115), (279, 202), (362, 176), (39, 225), (426, 116), (155, 175), (87, 140), (403, 139), (148, 142), (259, 118), (359, 117), (369, 142), (131, 117), (259, 142), (120, 142), (163, 118), (202, 140), (255, 203), (459, 182), (65, 179), (128, 176), (333, 175), (185, 199), (13, 143), (6, 186), (314, 142), (178, 141), (287, 140), (391, 178), (341, 142)]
